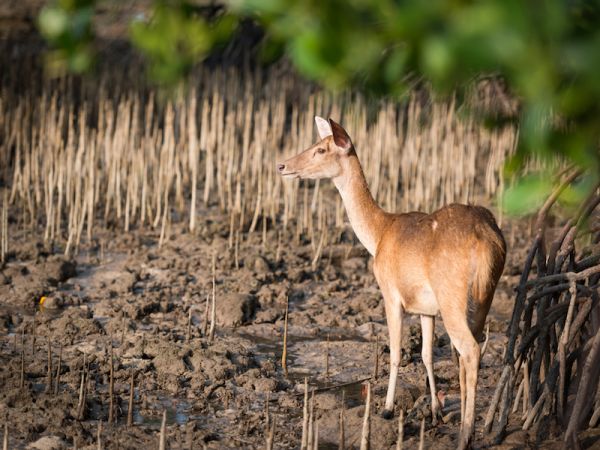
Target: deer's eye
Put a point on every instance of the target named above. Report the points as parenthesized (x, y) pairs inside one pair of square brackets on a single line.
[(320, 151)]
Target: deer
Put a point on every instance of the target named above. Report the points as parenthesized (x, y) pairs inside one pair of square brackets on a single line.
[(447, 262)]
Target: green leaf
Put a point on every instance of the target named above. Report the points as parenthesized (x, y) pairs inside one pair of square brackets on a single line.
[(437, 57), (527, 195), (53, 22)]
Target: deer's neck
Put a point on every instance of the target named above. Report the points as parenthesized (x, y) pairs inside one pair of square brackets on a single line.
[(368, 220)]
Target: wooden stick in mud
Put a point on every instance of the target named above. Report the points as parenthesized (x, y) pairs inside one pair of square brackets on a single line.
[(533, 412), (583, 400), (99, 435), (33, 337), (311, 422), (130, 407), (515, 407), (366, 428), (270, 436), (193, 157), (190, 438), (489, 419), (595, 417), (236, 250), (267, 414), (341, 436), (376, 368), (264, 233), (4, 228), (326, 356), (82, 391), (58, 367), (189, 326), (487, 339), (213, 313), (162, 442), (231, 229), (49, 373), (525, 389), (22, 379), (278, 250), (5, 440), (285, 332), (562, 354), (206, 312), (111, 387), (400, 441), (316, 436), (317, 254), (504, 409), (304, 441), (422, 435)]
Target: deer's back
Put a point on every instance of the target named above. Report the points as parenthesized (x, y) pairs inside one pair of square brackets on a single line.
[(446, 246)]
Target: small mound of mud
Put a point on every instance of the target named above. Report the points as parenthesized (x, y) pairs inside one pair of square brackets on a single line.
[(235, 309), (59, 270)]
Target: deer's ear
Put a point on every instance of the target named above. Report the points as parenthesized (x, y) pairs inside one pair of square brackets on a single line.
[(340, 137), (323, 127)]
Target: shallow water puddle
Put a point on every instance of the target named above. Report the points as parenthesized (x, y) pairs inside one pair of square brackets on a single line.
[(178, 412), (348, 356), (90, 275)]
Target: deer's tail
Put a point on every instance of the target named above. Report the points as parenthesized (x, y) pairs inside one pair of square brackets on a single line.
[(489, 257)]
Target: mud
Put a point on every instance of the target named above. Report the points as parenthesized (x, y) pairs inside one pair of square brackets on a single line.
[(123, 294)]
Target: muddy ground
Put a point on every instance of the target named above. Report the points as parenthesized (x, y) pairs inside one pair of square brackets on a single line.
[(124, 292)]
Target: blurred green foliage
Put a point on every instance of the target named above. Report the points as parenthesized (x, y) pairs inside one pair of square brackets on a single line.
[(176, 37), (548, 53), (67, 26)]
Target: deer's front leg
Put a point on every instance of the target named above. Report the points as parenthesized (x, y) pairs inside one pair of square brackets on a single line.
[(427, 330), (394, 315)]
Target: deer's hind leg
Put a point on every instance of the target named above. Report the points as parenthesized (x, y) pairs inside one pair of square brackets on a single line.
[(452, 299)]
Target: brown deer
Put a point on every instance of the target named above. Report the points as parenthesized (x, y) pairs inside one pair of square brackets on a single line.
[(448, 261)]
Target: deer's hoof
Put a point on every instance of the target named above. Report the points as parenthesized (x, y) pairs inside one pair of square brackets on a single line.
[(387, 414)]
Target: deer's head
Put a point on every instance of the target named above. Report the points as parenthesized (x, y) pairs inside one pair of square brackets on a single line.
[(325, 158)]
